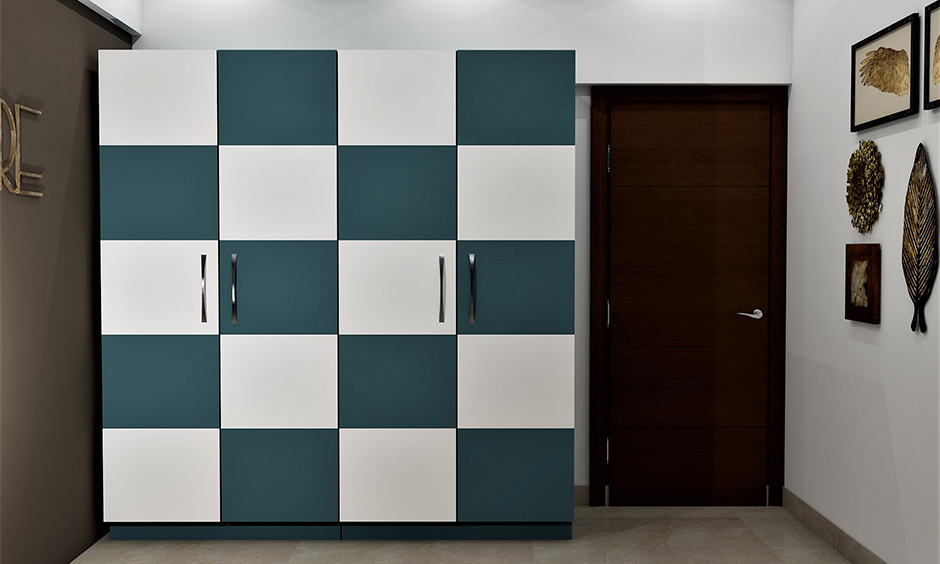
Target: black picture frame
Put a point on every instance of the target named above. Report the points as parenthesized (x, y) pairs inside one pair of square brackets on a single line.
[(930, 58), (865, 114), (869, 254)]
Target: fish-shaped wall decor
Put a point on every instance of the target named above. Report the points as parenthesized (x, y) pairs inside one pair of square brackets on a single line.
[(919, 249)]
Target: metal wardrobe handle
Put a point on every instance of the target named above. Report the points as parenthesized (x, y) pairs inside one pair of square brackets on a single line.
[(203, 288), (440, 260), (473, 288), (234, 281)]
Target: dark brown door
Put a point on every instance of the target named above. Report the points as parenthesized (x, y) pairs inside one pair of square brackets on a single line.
[(689, 250)]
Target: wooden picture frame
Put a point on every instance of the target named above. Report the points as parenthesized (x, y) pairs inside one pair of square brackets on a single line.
[(932, 56), (863, 283), (885, 74)]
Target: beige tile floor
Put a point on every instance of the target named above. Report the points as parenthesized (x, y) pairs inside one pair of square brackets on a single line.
[(602, 535)]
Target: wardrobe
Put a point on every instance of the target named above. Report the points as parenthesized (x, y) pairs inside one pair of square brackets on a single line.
[(337, 293)]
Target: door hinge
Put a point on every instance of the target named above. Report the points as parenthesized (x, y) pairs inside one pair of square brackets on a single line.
[(608, 450), (608, 158), (608, 314)]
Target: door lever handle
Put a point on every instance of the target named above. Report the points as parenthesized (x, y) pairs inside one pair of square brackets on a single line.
[(756, 315)]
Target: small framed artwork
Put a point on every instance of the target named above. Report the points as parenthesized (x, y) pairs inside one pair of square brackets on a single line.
[(863, 283), (932, 56), (885, 74)]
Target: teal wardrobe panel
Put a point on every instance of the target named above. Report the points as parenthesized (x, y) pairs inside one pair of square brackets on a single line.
[(402, 381), (160, 381), (277, 97), (280, 287), (159, 193), (280, 475), (515, 475), (522, 287), (515, 97), (397, 192)]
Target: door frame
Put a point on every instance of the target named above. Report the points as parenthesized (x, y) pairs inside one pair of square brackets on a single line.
[(602, 98)]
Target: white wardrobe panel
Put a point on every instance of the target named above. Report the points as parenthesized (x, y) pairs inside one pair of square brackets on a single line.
[(279, 381), (155, 475), (522, 192), (277, 192), (397, 97), (515, 381), (394, 287), (157, 288), (398, 474), (157, 97)]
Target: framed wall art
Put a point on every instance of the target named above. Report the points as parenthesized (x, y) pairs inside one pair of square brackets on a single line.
[(863, 283), (885, 78), (932, 56)]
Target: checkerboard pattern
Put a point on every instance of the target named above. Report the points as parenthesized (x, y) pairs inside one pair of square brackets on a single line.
[(286, 287)]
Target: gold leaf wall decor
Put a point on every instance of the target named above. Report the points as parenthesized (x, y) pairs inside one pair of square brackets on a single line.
[(865, 180), (919, 250), (936, 62), (888, 70)]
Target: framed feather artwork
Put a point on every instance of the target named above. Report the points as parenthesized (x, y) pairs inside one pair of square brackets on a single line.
[(863, 283), (932, 56), (885, 74)]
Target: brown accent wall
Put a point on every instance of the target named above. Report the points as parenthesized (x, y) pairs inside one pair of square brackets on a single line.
[(50, 499)]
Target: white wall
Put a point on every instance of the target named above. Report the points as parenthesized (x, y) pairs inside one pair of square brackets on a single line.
[(680, 41), (617, 41), (862, 401)]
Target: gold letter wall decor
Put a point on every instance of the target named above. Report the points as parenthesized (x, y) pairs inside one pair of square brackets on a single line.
[(15, 160)]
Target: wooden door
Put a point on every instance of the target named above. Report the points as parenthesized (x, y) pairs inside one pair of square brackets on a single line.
[(690, 224)]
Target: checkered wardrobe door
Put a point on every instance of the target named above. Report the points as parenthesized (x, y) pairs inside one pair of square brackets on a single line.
[(278, 288), (159, 249), (515, 225), (397, 286)]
